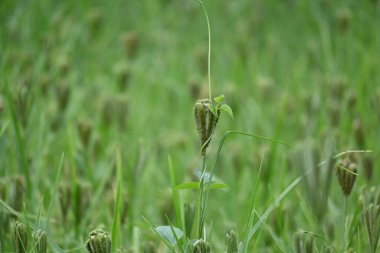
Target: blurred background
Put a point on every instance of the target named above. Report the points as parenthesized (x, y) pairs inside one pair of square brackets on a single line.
[(91, 78)]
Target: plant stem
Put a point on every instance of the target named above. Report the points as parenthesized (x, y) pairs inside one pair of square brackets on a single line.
[(200, 200), (209, 49), (344, 224)]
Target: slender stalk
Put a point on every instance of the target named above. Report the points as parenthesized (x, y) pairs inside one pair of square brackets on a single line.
[(209, 49), (344, 224), (201, 200)]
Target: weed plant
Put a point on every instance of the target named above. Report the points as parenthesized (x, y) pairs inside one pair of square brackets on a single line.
[(109, 126)]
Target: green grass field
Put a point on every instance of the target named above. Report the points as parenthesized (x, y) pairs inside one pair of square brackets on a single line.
[(97, 127)]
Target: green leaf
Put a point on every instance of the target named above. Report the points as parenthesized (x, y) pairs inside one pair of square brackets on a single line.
[(188, 185), (166, 232), (195, 186), (227, 109), (217, 186), (219, 99), (212, 108)]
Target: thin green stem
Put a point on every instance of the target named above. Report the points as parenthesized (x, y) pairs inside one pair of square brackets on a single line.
[(209, 49), (201, 200), (251, 210), (344, 224)]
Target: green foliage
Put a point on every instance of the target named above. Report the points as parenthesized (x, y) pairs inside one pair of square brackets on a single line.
[(104, 79)]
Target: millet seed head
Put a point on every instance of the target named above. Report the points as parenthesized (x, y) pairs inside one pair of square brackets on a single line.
[(232, 243), (20, 238), (98, 242), (346, 171), (200, 246), (40, 241), (205, 121), (371, 215)]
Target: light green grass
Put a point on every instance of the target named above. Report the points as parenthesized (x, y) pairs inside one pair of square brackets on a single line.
[(290, 70)]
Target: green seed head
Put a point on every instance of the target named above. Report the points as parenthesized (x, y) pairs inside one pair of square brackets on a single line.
[(130, 42), (371, 215), (98, 242), (40, 241), (309, 245), (232, 244), (149, 247), (84, 130), (81, 198), (3, 190), (201, 246), (20, 238), (17, 193), (64, 196), (206, 121), (346, 171), (303, 243)]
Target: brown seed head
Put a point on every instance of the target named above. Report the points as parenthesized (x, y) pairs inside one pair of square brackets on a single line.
[(346, 171), (371, 222), (232, 242), (40, 241), (20, 238), (98, 242), (205, 121)]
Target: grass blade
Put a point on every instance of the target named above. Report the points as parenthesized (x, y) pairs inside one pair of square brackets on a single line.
[(176, 197), (116, 213), (272, 206), (55, 189)]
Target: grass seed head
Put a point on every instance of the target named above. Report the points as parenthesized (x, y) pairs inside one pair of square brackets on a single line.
[(205, 121), (98, 242), (81, 199), (20, 238), (3, 190), (40, 241), (149, 247), (368, 167), (95, 19), (358, 132), (371, 223), (130, 41), (200, 246), (64, 196), (17, 193), (326, 250), (346, 171), (63, 95), (84, 130), (123, 73), (232, 242)]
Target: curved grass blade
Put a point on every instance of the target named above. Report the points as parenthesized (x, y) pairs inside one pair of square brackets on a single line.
[(272, 206), (116, 213)]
